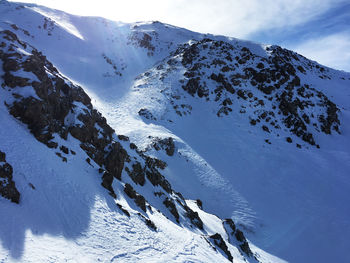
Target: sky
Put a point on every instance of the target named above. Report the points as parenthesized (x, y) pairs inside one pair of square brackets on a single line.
[(317, 29)]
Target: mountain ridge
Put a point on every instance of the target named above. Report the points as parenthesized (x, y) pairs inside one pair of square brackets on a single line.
[(133, 74)]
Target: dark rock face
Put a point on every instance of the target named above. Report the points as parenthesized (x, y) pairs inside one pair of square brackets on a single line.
[(234, 77), (59, 107), (244, 244), (154, 176), (114, 160), (166, 144), (137, 174), (229, 226), (219, 242), (172, 208), (139, 199), (194, 217), (235, 235), (146, 114), (8, 188), (143, 40)]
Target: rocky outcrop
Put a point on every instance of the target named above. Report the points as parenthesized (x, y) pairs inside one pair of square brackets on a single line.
[(267, 89), (143, 40), (220, 243), (166, 144), (54, 106), (58, 107), (236, 237), (8, 188)]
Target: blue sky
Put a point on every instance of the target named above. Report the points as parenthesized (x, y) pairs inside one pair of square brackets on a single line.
[(318, 29), (325, 37)]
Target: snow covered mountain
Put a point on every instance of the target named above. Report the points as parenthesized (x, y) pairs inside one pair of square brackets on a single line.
[(146, 142)]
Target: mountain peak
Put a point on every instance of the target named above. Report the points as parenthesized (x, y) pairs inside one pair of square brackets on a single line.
[(149, 142)]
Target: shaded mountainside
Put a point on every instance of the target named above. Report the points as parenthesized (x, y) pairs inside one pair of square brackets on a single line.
[(146, 142)]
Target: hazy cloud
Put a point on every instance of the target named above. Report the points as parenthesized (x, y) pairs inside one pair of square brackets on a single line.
[(309, 26), (238, 18), (332, 51)]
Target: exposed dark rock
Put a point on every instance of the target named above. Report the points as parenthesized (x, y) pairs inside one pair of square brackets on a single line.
[(274, 76), (123, 138), (138, 199), (246, 249), (114, 161), (229, 224), (137, 174), (240, 236), (126, 212), (194, 217), (244, 244), (143, 40), (8, 188), (166, 144), (150, 224), (2, 157), (133, 146), (199, 203), (147, 114), (219, 242), (64, 149), (265, 128), (172, 208), (107, 180)]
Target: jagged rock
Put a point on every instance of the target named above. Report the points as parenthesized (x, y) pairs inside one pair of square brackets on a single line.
[(240, 236), (220, 243), (172, 208), (107, 180), (230, 224), (2, 157), (8, 188), (151, 224), (166, 144), (126, 212), (274, 75), (64, 149), (139, 199), (114, 161), (194, 217), (147, 114), (137, 174), (244, 244), (123, 138), (199, 203)]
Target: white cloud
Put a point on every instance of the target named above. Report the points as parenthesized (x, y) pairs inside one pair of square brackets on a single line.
[(332, 50), (238, 18)]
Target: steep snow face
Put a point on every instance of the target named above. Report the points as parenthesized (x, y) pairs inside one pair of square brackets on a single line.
[(275, 127), (58, 152), (219, 100), (280, 139)]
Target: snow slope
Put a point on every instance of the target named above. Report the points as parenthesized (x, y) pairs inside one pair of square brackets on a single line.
[(289, 201)]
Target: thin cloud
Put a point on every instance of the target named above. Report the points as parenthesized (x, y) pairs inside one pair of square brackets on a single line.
[(292, 21), (238, 18), (332, 50)]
